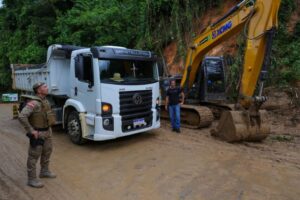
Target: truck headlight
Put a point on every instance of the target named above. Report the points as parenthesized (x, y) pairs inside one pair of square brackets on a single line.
[(106, 108)]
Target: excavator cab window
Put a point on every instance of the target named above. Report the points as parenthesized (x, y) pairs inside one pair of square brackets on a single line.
[(212, 83), (215, 75)]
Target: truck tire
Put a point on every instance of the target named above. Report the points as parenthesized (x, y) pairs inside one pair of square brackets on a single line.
[(74, 128)]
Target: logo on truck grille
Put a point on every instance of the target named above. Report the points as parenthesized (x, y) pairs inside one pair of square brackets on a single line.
[(137, 99)]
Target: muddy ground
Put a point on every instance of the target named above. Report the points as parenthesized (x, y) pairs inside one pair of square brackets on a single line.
[(158, 165)]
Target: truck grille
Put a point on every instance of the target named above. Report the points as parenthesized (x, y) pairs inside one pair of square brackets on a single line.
[(135, 109)]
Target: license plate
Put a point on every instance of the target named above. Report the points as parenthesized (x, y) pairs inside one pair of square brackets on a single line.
[(138, 122)]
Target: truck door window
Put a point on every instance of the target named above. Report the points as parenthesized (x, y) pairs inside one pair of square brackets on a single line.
[(84, 68)]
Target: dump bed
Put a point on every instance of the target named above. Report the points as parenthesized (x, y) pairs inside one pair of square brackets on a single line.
[(55, 72)]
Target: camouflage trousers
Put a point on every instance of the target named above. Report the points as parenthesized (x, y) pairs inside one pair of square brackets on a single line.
[(41, 151)]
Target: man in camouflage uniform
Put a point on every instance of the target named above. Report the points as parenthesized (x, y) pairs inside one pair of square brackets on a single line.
[(37, 118)]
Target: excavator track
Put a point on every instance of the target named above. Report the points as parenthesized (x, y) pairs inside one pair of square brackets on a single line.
[(192, 117)]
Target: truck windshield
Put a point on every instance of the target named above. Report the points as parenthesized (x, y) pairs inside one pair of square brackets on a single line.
[(128, 71)]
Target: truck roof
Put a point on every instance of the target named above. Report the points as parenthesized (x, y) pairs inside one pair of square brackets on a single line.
[(104, 52), (113, 52)]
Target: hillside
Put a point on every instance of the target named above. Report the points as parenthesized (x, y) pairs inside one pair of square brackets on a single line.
[(166, 27), (175, 64), (289, 27)]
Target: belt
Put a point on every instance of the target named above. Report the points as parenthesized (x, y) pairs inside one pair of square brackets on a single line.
[(41, 129)]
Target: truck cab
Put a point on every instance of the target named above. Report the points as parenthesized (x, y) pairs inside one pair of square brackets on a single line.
[(115, 91)]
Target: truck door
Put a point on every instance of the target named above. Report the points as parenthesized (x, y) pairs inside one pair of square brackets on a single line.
[(83, 88)]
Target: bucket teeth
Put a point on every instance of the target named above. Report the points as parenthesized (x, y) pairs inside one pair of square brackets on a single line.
[(237, 126)]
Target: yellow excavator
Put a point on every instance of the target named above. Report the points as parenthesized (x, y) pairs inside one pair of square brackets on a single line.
[(203, 77)]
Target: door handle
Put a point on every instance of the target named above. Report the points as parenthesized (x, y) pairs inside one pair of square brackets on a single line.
[(76, 91)]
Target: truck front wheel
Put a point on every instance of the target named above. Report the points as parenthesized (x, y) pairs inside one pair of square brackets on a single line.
[(74, 128)]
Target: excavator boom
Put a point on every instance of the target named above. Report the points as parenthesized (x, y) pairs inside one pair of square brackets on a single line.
[(233, 22)]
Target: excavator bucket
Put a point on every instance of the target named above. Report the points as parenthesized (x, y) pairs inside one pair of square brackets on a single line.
[(237, 126)]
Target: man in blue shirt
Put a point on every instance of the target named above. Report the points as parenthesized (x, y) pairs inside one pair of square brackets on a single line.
[(173, 104)]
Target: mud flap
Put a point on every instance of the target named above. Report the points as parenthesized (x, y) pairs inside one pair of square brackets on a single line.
[(87, 122), (84, 126), (237, 126)]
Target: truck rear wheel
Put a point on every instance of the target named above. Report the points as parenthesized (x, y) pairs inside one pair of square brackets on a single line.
[(74, 128)]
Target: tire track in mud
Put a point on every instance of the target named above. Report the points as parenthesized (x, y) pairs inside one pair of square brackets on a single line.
[(13, 156), (12, 164), (158, 164), (279, 153), (9, 189)]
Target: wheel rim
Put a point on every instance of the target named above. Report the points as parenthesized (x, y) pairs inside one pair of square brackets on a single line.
[(74, 129)]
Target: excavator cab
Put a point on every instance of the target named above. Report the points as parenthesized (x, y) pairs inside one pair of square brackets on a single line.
[(209, 84), (212, 80)]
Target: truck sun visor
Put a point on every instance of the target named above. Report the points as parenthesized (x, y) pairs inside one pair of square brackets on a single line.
[(122, 53)]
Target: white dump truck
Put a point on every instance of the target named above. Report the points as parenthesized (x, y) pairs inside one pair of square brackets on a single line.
[(98, 93)]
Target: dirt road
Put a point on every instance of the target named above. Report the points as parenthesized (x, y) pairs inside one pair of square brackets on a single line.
[(156, 165)]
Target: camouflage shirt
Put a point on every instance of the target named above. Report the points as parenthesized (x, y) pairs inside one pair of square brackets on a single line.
[(32, 107)]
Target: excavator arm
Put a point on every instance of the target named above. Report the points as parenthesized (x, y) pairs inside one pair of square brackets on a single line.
[(258, 20), (261, 29)]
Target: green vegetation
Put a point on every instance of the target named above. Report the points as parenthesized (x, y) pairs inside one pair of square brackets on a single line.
[(28, 26), (285, 66), (286, 57)]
